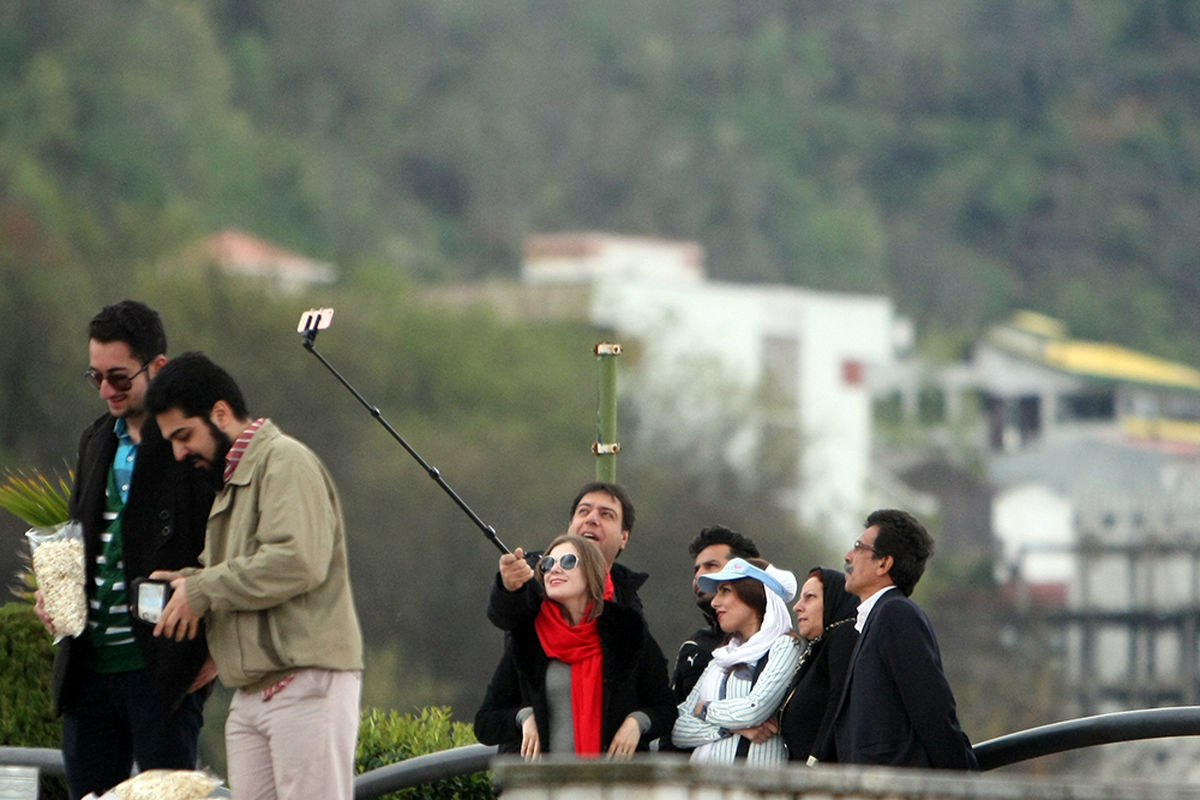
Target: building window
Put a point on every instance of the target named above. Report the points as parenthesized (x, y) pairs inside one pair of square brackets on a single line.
[(781, 371), (931, 405), (852, 373), (1087, 406)]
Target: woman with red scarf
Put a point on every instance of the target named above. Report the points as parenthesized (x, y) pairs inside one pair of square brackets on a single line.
[(592, 680)]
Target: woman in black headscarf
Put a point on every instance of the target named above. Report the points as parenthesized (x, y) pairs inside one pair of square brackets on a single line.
[(825, 615)]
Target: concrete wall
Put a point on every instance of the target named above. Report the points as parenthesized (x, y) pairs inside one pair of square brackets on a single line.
[(665, 778)]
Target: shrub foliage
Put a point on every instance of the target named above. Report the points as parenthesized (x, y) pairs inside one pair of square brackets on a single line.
[(386, 737), (26, 711)]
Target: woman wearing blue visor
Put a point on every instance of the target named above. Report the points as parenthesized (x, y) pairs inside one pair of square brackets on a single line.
[(722, 718)]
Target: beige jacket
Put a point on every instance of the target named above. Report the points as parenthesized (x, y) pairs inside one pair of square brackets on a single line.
[(275, 586)]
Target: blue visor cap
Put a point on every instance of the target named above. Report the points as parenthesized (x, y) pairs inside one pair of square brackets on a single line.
[(736, 570)]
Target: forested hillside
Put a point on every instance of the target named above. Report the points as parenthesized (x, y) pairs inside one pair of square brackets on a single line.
[(965, 157)]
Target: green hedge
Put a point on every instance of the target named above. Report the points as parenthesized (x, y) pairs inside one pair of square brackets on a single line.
[(26, 710), (386, 737)]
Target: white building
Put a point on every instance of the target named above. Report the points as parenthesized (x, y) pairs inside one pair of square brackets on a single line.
[(1093, 452), (771, 366)]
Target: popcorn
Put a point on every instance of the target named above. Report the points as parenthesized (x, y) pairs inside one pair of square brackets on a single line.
[(60, 569), (165, 784), (162, 784)]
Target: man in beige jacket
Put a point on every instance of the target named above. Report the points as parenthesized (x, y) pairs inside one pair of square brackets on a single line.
[(274, 589)]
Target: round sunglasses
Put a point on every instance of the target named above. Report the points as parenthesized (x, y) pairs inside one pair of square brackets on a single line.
[(567, 561), (119, 381)]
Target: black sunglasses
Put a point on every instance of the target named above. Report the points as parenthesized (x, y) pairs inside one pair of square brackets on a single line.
[(567, 561), (117, 380)]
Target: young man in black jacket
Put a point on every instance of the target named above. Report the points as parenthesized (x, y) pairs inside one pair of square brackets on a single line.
[(125, 696)]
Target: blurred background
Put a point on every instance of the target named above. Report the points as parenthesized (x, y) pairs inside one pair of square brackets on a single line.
[(938, 254)]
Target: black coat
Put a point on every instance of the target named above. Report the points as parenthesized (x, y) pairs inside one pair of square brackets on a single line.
[(897, 708), (693, 656), (634, 673), (162, 528), (807, 711)]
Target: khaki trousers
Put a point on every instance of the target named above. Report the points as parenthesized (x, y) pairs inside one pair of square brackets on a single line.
[(299, 744)]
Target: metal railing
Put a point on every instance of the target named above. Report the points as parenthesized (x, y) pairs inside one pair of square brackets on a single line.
[(423, 769), (1072, 734)]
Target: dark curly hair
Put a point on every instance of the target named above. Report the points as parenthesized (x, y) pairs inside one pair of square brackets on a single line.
[(193, 384), (739, 546), (905, 539), (134, 323), (616, 490)]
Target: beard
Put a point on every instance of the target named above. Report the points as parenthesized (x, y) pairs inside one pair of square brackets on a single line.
[(215, 470)]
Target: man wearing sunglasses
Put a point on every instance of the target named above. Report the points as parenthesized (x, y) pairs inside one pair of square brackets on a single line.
[(897, 708), (125, 696)]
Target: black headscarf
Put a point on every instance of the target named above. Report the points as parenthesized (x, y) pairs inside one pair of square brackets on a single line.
[(839, 604)]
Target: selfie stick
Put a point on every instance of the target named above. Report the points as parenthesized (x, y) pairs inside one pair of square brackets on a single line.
[(318, 319)]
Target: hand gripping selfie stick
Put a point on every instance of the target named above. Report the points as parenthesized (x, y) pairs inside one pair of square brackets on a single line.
[(318, 319)]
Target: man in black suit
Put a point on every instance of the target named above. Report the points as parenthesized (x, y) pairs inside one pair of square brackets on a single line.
[(896, 708)]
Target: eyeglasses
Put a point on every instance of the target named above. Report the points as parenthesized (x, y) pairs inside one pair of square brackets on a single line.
[(567, 561), (859, 545), (117, 380)]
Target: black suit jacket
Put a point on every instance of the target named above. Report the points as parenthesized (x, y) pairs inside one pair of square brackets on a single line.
[(162, 528), (897, 708)]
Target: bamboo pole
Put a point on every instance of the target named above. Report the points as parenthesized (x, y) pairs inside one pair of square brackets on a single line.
[(606, 446)]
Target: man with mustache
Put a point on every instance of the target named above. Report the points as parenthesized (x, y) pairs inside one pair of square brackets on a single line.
[(897, 708)]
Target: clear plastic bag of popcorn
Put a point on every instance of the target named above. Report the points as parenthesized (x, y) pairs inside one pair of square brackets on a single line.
[(163, 784), (60, 570)]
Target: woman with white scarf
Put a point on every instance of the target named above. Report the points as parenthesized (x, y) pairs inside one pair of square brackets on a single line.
[(749, 674)]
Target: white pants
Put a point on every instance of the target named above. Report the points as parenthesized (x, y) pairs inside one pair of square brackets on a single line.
[(300, 743)]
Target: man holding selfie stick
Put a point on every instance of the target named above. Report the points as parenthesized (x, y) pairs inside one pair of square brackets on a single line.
[(274, 590), (126, 696)]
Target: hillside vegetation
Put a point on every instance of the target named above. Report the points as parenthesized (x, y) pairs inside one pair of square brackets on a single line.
[(964, 157)]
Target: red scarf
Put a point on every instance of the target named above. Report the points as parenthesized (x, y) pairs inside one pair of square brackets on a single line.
[(579, 646)]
